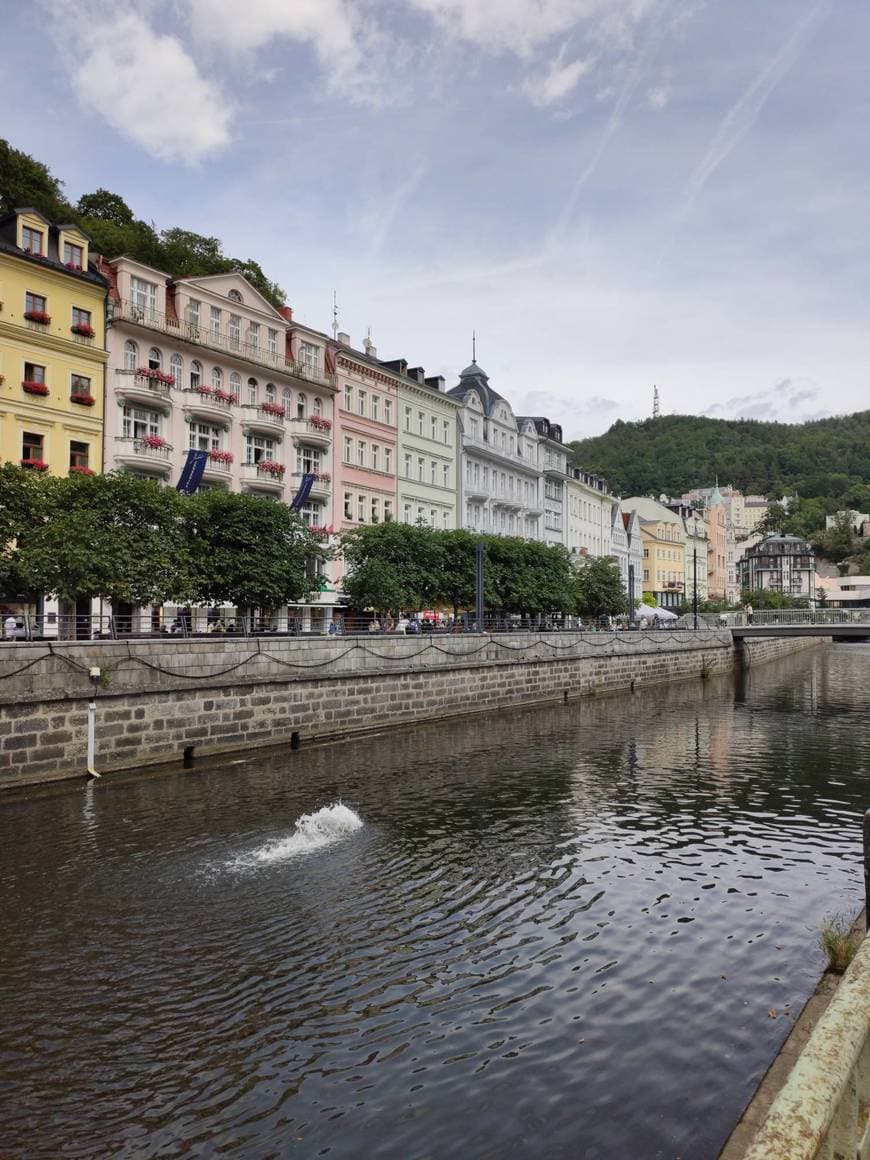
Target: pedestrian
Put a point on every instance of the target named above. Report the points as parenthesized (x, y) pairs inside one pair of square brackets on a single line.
[(9, 627), (374, 625), (748, 611), (402, 626)]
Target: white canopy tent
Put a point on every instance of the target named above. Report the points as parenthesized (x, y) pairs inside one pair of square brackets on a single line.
[(644, 612)]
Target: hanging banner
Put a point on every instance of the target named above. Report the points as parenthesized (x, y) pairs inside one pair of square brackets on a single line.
[(191, 473), (301, 497)]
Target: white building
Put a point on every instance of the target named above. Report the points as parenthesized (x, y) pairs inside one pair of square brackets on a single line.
[(626, 549), (590, 515), (553, 464)]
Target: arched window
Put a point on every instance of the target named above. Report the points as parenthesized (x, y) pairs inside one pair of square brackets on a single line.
[(301, 407), (195, 375), (234, 296), (286, 399), (270, 392), (177, 368), (155, 358), (131, 355), (318, 407), (252, 392), (236, 384), (217, 378)]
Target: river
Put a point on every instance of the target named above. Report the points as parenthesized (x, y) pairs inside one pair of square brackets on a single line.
[(576, 931)]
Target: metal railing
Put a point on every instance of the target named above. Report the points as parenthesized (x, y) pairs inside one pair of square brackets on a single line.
[(190, 331), (799, 616)]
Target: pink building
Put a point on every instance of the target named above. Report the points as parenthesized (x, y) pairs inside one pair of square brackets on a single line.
[(208, 363)]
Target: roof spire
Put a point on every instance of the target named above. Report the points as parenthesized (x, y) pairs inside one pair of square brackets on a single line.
[(474, 346), (335, 315)]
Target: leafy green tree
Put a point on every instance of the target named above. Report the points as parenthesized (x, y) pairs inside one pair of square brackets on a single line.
[(649, 600), (105, 206), (524, 576), (111, 536), (405, 559), (247, 551), (458, 571), (27, 182), (600, 590), (838, 542), (25, 501)]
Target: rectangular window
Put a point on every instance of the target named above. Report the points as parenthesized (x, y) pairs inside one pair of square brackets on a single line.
[(388, 412), (376, 455), (234, 331), (34, 373), (433, 516), (376, 510), (446, 431), (79, 385), (204, 437), (388, 511), (376, 408), (272, 341), (79, 453), (445, 520), (32, 240), (81, 317), (308, 356), (259, 447), (361, 402), (137, 422), (421, 419), (348, 449), (388, 460), (215, 313), (252, 392), (361, 508), (35, 303), (445, 475), (308, 459), (421, 469), (254, 335), (348, 505), (407, 467), (434, 471), (193, 313), (73, 255), (144, 296), (408, 414), (361, 453), (406, 513), (348, 397), (434, 427), (31, 446)]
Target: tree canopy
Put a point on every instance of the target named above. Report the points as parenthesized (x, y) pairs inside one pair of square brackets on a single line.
[(114, 228)]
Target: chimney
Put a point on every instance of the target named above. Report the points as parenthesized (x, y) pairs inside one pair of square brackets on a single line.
[(369, 347), (286, 312), (417, 374), (342, 339), (436, 382)]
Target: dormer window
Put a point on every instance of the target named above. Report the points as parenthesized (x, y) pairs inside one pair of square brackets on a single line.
[(32, 241), (73, 255)]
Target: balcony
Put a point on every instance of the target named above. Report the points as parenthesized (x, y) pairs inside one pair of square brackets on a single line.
[(256, 477), (181, 330), (315, 432), (209, 405), (218, 467), (321, 488), (146, 454), (138, 389), (259, 417)]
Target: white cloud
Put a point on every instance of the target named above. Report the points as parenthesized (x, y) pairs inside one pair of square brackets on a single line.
[(556, 83), (658, 97), (145, 85)]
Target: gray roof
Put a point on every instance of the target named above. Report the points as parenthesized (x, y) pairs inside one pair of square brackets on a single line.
[(475, 378)]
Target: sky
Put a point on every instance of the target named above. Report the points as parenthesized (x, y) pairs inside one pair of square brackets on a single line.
[(614, 194)]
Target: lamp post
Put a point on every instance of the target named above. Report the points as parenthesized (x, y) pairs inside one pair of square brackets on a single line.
[(695, 585), (630, 595), (478, 586)]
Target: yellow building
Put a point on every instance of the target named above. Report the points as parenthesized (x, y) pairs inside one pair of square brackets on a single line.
[(664, 550), (52, 346)]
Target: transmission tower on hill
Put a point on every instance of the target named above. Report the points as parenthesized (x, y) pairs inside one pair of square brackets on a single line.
[(656, 409)]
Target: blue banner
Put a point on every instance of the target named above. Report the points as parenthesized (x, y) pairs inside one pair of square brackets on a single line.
[(191, 473), (301, 497)]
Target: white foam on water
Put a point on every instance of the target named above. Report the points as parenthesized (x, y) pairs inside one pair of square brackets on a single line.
[(311, 832)]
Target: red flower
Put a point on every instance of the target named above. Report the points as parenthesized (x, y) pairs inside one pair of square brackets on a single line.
[(33, 387), (270, 467), (34, 464), (155, 442), (37, 316), (273, 409), (221, 456), (319, 423), (81, 397), (75, 470), (83, 329)]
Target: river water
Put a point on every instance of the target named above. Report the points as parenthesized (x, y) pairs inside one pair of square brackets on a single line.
[(578, 931)]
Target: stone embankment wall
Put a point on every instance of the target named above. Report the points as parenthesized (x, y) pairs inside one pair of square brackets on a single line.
[(157, 698)]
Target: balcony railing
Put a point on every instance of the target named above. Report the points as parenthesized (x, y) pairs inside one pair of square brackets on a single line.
[(186, 331), (130, 379), (146, 447)]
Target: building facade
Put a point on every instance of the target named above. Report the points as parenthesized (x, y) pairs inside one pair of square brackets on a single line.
[(626, 549), (590, 515), (553, 465), (428, 449), (664, 550), (696, 548), (52, 346), (784, 564), (500, 482)]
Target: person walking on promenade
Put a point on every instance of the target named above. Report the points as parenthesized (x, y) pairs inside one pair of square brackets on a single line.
[(748, 611)]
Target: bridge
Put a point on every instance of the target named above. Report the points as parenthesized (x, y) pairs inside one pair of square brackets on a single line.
[(838, 623)]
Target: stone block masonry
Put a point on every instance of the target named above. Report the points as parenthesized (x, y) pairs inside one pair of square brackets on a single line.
[(157, 698)]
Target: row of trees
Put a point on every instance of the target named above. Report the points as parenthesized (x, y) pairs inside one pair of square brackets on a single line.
[(403, 566), (129, 540), (115, 229)]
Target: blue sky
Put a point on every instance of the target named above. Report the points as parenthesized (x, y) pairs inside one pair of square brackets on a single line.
[(613, 193)]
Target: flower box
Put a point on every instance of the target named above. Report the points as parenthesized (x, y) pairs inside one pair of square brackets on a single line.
[(273, 409), (34, 464), (33, 387), (83, 329), (221, 456), (154, 442), (74, 470), (320, 424), (224, 396), (154, 376), (78, 269), (37, 316), (319, 530), (270, 467), (323, 476), (83, 399)]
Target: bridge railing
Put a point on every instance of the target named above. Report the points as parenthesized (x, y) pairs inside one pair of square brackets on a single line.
[(798, 616)]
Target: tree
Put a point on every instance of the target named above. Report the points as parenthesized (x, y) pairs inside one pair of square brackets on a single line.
[(27, 182), (649, 600), (600, 590), (25, 501), (111, 536), (525, 576), (405, 560), (458, 586), (247, 551), (104, 206), (838, 542)]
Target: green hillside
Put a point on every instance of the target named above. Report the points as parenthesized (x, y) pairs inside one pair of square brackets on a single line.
[(828, 459)]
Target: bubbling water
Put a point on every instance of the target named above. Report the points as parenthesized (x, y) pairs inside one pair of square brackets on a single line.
[(311, 832)]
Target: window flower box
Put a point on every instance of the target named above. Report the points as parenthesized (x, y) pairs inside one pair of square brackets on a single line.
[(83, 329), (154, 442), (37, 316), (270, 467), (33, 387), (82, 398), (76, 470), (225, 396), (155, 376), (319, 423), (320, 530), (78, 270), (34, 464), (273, 409), (221, 456), (323, 476)]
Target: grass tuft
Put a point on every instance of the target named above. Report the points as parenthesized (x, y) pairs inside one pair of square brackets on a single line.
[(838, 944)]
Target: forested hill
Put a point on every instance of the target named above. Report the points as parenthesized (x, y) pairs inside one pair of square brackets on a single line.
[(675, 453)]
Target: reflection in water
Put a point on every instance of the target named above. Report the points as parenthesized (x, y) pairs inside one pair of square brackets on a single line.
[(559, 933)]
